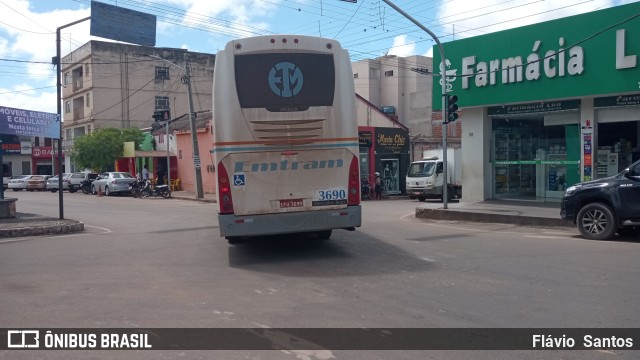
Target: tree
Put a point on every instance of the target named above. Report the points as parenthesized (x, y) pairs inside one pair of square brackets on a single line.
[(103, 147)]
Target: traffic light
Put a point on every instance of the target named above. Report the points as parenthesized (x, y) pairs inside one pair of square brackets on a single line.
[(452, 108), (161, 115)]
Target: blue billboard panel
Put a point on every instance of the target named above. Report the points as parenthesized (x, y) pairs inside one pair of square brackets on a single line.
[(117, 23), (29, 123)]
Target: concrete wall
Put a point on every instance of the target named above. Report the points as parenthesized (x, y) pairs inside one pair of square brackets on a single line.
[(186, 170)]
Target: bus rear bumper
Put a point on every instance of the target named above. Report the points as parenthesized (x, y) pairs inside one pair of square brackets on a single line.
[(287, 223)]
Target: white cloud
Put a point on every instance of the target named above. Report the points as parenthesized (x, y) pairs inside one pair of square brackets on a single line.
[(29, 99), (401, 48), (231, 18)]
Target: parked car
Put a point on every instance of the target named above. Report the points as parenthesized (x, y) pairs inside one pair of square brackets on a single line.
[(53, 185), (602, 207), (37, 182), (77, 178), (19, 182), (110, 183)]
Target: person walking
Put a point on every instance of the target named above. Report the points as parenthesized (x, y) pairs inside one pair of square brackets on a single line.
[(145, 172), (378, 187)]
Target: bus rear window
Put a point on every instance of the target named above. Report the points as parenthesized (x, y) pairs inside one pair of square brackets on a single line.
[(285, 81)]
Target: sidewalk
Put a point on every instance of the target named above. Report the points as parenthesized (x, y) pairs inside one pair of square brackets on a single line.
[(529, 213), (186, 195)]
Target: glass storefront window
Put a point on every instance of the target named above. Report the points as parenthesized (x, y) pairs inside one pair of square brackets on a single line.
[(533, 160), (364, 164), (390, 176)]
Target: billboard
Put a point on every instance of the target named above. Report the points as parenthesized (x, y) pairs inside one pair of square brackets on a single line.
[(29, 123), (117, 23)]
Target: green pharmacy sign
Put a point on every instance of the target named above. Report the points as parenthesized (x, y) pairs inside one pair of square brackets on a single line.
[(584, 55)]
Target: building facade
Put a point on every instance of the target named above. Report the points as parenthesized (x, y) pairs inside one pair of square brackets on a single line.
[(384, 147), (108, 84), (547, 105), (401, 86)]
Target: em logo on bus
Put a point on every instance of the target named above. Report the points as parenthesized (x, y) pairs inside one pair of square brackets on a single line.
[(285, 79)]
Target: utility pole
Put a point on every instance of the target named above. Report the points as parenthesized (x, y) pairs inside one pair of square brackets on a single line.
[(186, 79), (194, 131)]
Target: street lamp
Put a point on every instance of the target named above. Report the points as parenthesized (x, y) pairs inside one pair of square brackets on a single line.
[(59, 101), (192, 121), (444, 96)]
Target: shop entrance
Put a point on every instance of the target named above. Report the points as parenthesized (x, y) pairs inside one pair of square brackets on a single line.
[(618, 147), (534, 159)]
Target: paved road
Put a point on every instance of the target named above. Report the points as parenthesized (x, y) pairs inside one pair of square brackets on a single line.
[(160, 263)]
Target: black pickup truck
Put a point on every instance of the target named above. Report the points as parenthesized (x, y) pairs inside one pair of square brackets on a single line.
[(602, 207)]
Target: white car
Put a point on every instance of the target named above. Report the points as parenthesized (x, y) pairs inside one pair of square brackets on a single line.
[(18, 183)]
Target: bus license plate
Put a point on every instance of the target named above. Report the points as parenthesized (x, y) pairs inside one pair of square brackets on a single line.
[(289, 203)]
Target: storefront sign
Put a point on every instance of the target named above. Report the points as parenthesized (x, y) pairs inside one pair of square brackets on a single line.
[(25, 147), (536, 162), (617, 101), (587, 156), (548, 60), (392, 141), (43, 152), (10, 144), (540, 107), (365, 138)]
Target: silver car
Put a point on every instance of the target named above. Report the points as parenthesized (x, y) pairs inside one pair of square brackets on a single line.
[(109, 183), (52, 183)]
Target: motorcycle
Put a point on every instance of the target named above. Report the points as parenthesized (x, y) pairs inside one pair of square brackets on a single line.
[(365, 189), (158, 190), (85, 186), (136, 187)]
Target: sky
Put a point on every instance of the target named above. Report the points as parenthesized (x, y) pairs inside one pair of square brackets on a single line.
[(367, 28)]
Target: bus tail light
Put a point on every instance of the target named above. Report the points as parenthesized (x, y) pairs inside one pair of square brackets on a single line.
[(354, 182), (224, 191)]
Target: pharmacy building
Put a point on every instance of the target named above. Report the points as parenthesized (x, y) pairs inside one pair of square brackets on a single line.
[(547, 105)]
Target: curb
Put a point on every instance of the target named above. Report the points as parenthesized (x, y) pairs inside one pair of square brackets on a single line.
[(71, 226), (193, 199), (441, 214)]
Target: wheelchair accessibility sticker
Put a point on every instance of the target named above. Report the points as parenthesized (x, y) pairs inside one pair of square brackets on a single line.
[(238, 180)]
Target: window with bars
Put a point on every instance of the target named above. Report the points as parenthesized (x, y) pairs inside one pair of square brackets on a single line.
[(162, 102), (388, 73), (162, 73)]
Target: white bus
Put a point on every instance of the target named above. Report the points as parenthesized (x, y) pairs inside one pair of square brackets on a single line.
[(285, 137)]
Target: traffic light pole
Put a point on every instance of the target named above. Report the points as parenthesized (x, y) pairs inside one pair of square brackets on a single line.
[(445, 186)]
